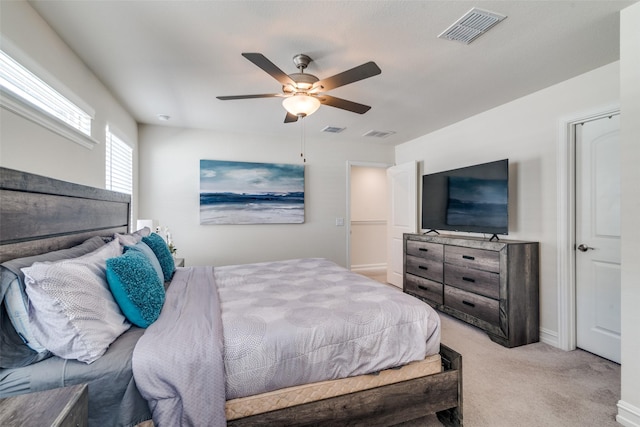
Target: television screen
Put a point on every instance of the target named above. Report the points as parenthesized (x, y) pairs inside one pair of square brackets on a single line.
[(471, 199)]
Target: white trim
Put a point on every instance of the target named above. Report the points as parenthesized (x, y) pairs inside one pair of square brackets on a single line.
[(370, 268), (15, 104), (370, 222), (628, 415), (566, 223), (549, 337), (348, 201)]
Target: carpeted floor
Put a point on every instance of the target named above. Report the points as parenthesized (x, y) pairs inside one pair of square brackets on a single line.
[(536, 385)]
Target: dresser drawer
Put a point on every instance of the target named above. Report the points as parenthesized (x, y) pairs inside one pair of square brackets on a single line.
[(470, 279), (473, 258), (426, 250), (480, 307), (424, 288), (427, 268)]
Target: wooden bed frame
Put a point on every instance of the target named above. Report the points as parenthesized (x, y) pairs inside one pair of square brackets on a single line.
[(39, 214)]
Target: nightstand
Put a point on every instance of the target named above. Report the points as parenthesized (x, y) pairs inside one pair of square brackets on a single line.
[(179, 262), (60, 407)]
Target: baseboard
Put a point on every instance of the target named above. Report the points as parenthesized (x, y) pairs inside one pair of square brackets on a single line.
[(549, 337), (628, 415), (369, 268)]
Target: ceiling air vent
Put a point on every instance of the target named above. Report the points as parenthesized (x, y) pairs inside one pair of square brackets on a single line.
[(379, 133), (472, 25), (332, 129)]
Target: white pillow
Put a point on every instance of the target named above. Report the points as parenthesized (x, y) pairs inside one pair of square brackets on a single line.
[(72, 311)]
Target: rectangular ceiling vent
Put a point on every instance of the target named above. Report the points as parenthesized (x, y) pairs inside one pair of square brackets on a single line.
[(379, 133), (332, 129), (472, 25)]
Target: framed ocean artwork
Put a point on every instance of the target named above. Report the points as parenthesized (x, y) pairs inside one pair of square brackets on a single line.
[(251, 193)]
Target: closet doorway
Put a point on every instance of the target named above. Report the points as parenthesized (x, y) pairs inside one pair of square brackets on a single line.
[(367, 218)]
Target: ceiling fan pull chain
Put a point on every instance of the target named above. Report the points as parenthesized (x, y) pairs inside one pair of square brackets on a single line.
[(302, 141)]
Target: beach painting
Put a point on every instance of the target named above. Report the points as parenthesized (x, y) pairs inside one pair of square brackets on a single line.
[(251, 193)]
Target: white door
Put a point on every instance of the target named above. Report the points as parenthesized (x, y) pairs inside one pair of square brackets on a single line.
[(403, 215), (597, 253)]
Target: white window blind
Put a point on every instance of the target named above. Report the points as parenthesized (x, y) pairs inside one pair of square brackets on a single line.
[(119, 164), (23, 83)]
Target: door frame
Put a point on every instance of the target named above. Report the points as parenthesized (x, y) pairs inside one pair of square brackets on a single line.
[(566, 224), (347, 224)]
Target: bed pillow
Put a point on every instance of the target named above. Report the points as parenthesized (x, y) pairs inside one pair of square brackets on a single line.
[(144, 249), (136, 287), (18, 312), (160, 248), (71, 309), (19, 346), (132, 238)]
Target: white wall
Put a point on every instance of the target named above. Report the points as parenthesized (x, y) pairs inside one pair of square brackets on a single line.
[(368, 218), (29, 147), (169, 192), (525, 131), (629, 405)]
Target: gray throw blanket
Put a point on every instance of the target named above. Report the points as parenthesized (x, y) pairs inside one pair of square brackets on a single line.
[(184, 386)]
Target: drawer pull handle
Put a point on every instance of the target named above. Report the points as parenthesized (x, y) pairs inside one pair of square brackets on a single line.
[(468, 257), (423, 249), (424, 288), (469, 279), (422, 267), (470, 304)]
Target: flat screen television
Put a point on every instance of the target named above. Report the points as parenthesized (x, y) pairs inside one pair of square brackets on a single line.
[(469, 199)]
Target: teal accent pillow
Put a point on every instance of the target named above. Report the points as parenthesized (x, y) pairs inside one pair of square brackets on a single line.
[(146, 251), (160, 248), (136, 287)]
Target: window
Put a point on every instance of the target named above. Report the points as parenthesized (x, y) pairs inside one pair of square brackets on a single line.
[(26, 86), (119, 164)]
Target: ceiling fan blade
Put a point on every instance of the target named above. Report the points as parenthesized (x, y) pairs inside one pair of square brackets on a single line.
[(264, 95), (290, 118), (360, 72), (354, 107), (270, 68)]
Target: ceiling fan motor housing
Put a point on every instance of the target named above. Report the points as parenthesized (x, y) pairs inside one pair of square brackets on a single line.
[(304, 82)]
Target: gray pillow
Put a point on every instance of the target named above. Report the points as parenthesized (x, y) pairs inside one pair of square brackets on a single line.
[(14, 352), (132, 238)]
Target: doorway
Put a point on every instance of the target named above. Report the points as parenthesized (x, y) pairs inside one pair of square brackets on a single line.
[(366, 220)]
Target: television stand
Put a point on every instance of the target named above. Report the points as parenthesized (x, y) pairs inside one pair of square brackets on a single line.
[(431, 231), (495, 236)]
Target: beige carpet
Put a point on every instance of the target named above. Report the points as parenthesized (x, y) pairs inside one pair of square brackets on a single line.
[(533, 385)]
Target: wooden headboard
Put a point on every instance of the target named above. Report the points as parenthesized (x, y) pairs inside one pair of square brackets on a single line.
[(40, 214)]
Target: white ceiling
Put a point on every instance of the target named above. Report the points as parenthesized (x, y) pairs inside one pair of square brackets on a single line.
[(175, 57)]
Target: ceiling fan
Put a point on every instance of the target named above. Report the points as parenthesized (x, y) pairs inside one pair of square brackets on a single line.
[(303, 93)]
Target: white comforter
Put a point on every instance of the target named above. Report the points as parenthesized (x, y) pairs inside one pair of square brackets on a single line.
[(284, 323)]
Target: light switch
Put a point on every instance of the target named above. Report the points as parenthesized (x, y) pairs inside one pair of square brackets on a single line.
[(339, 222)]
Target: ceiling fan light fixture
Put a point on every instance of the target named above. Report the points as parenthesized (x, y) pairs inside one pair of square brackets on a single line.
[(301, 104)]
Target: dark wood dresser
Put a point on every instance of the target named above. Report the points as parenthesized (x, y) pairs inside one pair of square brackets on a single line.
[(60, 407), (490, 284)]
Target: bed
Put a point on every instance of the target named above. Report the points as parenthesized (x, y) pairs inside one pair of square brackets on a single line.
[(40, 216)]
